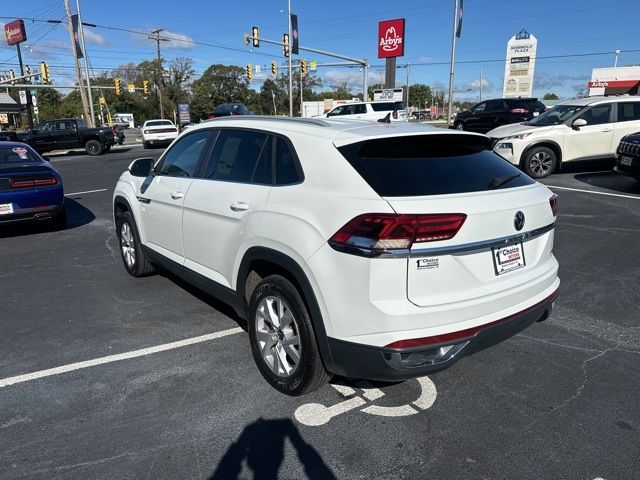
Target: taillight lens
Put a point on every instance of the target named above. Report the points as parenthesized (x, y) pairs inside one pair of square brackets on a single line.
[(553, 202), (114, 130), (32, 182), (378, 232), (519, 110), (395, 114)]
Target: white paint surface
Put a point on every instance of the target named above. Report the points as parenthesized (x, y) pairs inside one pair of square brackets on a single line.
[(87, 191)]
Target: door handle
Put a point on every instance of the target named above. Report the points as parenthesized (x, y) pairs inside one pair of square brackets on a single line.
[(607, 130), (239, 207), (177, 195)]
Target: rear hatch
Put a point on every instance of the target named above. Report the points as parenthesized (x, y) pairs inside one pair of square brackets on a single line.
[(482, 226)]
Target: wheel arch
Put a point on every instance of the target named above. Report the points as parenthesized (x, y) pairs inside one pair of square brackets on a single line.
[(259, 262), (552, 145)]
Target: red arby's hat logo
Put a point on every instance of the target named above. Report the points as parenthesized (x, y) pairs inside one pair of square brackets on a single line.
[(391, 38), (15, 32)]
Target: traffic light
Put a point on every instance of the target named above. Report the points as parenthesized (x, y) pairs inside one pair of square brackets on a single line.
[(285, 46), (145, 87), (303, 67), (255, 33), (249, 72), (44, 73), (118, 84), (12, 75), (27, 69), (274, 68)]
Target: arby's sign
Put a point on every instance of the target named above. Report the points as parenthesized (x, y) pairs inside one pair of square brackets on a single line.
[(391, 38)]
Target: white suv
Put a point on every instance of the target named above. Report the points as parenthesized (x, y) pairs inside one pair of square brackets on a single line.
[(580, 129), (396, 111), (158, 132), (369, 250)]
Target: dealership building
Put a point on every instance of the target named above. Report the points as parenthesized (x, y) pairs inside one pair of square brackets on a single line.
[(615, 81)]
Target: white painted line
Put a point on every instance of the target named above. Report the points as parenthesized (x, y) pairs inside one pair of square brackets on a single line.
[(635, 197), (5, 382), (86, 191)]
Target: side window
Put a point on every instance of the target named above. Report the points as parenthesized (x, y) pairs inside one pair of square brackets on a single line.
[(235, 155), (495, 106), (361, 108), (64, 126), (336, 111), (597, 115), (45, 127), (628, 111), (286, 168), (262, 173), (182, 158), (479, 108)]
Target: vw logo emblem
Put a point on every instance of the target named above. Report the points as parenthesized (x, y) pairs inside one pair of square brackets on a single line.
[(518, 221)]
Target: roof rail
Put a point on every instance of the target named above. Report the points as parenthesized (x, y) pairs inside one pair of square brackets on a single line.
[(310, 121)]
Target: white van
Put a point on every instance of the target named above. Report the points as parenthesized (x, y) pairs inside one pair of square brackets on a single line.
[(369, 111)]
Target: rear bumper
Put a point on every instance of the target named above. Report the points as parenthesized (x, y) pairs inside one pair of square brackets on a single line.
[(437, 353), (32, 214)]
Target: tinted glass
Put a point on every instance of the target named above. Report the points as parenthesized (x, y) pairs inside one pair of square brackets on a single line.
[(286, 169), (628, 111), (597, 115), (158, 123), (495, 106), (182, 158), (17, 155), (234, 155), (262, 173), (387, 106), (481, 107), (555, 116), (337, 111), (45, 127), (430, 165), (361, 108), (64, 125)]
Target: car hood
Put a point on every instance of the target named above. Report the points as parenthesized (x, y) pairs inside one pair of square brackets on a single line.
[(515, 129)]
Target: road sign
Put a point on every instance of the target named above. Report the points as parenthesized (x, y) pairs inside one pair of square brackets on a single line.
[(131, 88), (184, 113), (34, 100), (35, 110), (313, 65), (23, 97)]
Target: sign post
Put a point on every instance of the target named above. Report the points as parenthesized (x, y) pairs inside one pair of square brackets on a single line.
[(16, 34), (184, 113), (390, 46)]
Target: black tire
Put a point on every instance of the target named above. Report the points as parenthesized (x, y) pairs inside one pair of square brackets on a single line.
[(93, 147), (140, 266), (539, 162), (459, 126), (107, 149), (309, 373), (145, 145)]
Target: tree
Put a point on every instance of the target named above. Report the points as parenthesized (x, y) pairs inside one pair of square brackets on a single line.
[(550, 96), (218, 84), (49, 103), (420, 95)]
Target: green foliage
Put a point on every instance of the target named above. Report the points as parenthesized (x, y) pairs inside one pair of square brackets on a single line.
[(550, 96), (218, 84), (420, 95)]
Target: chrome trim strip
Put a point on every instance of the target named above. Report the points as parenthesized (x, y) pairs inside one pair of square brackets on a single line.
[(144, 200), (449, 250), (467, 247)]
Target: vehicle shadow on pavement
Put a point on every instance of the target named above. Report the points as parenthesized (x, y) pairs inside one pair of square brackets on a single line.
[(52, 156), (610, 181), (77, 216), (261, 445)]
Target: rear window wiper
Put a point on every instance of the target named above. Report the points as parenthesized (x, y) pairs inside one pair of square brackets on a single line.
[(499, 181)]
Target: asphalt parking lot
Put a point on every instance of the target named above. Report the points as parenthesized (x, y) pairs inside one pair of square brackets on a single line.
[(107, 376)]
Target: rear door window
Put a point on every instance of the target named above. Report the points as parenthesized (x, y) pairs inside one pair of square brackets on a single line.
[(628, 111), (424, 165), (286, 164), (597, 115), (235, 155)]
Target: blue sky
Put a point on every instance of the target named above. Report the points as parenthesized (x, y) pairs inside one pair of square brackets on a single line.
[(349, 27)]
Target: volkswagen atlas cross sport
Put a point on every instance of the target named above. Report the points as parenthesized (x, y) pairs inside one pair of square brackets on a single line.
[(363, 249)]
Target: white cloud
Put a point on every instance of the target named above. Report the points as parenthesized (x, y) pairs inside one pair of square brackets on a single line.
[(351, 77), (92, 37), (170, 40)]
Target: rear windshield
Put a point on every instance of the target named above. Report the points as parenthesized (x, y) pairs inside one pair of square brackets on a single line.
[(159, 123), (431, 165), (17, 155), (387, 106)]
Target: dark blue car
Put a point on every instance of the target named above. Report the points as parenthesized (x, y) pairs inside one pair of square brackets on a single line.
[(30, 188)]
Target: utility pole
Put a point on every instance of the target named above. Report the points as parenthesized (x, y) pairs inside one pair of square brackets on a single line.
[(453, 61), (290, 68), (27, 92), (158, 39), (83, 95), (92, 121)]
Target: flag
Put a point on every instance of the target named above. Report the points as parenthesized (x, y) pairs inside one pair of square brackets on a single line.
[(459, 19), (294, 32), (76, 36)]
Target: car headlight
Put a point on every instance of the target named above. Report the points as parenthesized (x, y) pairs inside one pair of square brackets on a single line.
[(520, 136)]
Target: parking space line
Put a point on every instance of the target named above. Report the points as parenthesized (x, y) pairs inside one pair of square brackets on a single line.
[(86, 191), (5, 382), (635, 197)]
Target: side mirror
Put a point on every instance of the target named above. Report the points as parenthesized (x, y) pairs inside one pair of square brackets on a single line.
[(578, 122), (141, 167)]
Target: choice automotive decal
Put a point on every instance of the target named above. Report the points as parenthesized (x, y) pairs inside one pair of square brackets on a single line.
[(391, 38), (15, 32)]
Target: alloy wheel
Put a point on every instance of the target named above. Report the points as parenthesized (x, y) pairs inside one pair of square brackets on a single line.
[(278, 336), (127, 245), (541, 163)]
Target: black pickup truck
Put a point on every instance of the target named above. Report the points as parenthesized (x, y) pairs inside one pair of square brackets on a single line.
[(64, 134)]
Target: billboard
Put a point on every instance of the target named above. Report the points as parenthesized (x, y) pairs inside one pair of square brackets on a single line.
[(520, 65), (15, 32), (391, 38)]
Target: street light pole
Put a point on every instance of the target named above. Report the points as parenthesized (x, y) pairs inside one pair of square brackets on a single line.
[(83, 96), (156, 36), (86, 66), (453, 61)]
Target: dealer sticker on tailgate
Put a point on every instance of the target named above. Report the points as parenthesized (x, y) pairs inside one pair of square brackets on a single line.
[(6, 208), (508, 258)]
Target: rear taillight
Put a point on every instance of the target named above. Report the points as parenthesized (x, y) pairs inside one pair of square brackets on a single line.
[(32, 182), (379, 232), (519, 110), (114, 130), (553, 202), (395, 114)]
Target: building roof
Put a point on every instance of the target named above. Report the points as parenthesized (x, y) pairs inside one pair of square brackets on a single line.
[(8, 104)]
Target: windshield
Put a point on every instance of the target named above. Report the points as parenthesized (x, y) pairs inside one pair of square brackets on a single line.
[(555, 116), (20, 154)]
